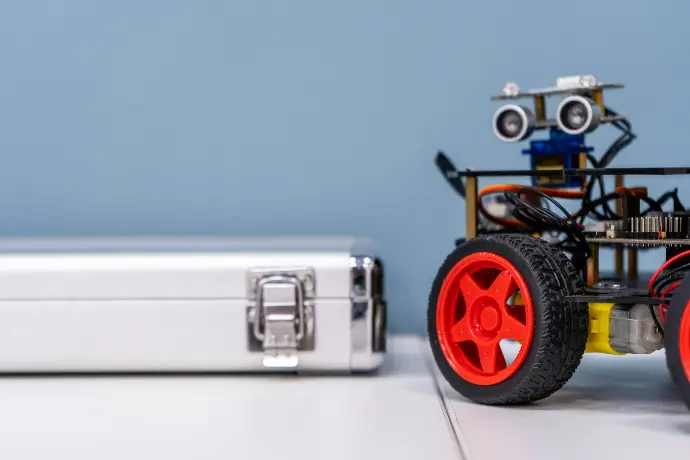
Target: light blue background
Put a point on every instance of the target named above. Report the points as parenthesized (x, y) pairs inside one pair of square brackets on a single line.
[(305, 117)]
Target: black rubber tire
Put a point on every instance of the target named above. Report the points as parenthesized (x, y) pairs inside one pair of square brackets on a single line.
[(560, 328), (679, 304)]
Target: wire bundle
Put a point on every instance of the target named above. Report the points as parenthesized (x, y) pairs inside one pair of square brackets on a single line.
[(544, 219), (625, 139), (667, 278)]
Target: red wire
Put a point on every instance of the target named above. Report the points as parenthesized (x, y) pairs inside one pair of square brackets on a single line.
[(662, 308), (652, 280), (662, 268)]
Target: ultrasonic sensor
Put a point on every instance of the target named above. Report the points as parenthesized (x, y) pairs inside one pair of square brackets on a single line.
[(578, 115), (513, 123)]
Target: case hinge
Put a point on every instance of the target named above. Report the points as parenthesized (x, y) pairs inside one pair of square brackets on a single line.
[(280, 314)]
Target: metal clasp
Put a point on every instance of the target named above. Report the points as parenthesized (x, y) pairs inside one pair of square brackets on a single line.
[(280, 314)]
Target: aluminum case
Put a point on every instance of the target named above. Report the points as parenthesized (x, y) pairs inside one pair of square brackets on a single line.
[(191, 305)]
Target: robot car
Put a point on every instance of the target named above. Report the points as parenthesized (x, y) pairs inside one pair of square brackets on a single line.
[(520, 300)]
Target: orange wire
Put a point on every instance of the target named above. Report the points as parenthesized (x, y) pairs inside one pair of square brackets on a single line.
[(558, 193), (634, 191)]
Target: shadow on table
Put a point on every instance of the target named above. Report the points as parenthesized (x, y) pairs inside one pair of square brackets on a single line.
[(617, 397), (630, 384), (619, 384)]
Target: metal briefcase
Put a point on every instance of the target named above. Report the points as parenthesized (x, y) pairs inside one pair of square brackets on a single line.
[(190, 304)]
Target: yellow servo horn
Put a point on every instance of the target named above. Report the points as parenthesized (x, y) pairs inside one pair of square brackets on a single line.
[(600, 329)]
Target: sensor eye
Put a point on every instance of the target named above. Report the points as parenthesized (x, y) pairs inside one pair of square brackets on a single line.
[(510, 124), (575, 115), (513, 123), (578, 115)]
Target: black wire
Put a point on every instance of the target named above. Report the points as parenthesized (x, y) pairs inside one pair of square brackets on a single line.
[(589, 209), (663, 281), (669, 276), (589, 206), (587, 199), (544, 219), (670, 195), (625, 139), (656, 320)]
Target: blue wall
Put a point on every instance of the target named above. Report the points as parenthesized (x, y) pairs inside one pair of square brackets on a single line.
[(304, 117)]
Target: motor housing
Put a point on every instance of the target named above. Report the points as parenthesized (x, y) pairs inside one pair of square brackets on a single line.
[(633, 329)]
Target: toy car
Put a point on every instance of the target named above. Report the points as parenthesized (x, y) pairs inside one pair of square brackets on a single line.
[(529, 275)]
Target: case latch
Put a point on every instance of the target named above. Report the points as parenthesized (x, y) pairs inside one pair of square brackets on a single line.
[(280, 314)]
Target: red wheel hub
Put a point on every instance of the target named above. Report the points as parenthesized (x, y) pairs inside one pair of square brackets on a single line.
[(473, 316), (489, 318)]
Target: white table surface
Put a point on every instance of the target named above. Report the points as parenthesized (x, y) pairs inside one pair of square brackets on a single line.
[(396, 414), (614, 407)]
